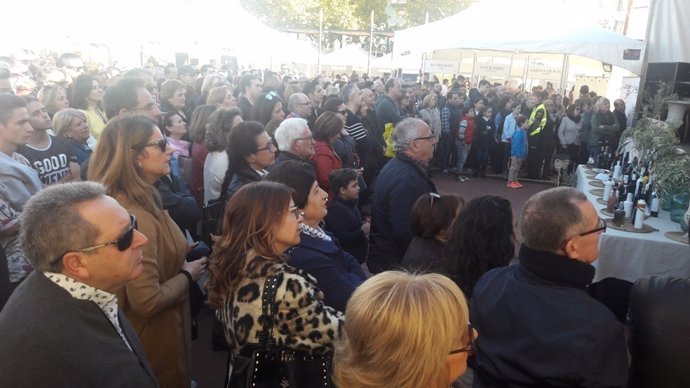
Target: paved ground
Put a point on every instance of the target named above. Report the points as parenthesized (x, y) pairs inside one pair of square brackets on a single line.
[(209, 367)]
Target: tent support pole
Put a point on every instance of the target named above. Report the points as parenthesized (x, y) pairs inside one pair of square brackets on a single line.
[(564, 72), (318, 63), (371, 43), (474, 65), (524, 75), (510, 69)]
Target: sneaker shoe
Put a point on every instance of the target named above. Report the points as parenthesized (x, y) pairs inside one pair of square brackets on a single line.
[(509, 184), (513, 185), (461, 178), (518, 184)]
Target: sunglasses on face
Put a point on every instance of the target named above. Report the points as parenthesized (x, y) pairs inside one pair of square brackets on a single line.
[(162, 144), (123, 242), (271, 95)]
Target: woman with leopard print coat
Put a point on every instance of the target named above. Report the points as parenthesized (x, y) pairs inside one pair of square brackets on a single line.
[(260, 223)]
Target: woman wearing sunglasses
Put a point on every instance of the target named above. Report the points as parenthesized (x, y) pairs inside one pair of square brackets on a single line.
[(131, 155), (250, 150), (404, 331), (261, 222), (268, 107)]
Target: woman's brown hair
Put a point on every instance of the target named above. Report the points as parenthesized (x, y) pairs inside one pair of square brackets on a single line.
[(200, 118), (114, 161), (251, 220), (327, 125)]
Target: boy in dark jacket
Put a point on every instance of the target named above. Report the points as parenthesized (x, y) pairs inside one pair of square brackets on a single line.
[(344, 219)]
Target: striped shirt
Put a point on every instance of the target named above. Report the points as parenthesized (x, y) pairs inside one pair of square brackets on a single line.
[(354, 127)]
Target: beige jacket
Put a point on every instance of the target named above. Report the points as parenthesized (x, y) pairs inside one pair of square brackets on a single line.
[(157, 302)]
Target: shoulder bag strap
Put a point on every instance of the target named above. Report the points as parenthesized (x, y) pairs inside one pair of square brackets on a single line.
[(226, 183), (266, 338)]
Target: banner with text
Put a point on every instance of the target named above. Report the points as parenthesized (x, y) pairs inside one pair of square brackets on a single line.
[(488, 70), (541, 71), (442, 67)]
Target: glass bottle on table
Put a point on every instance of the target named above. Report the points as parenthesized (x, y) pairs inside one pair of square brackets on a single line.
[(613, 200)]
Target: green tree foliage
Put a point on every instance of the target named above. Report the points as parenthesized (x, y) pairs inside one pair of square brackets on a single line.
[(337, 14), (350, 14), (413, 12)]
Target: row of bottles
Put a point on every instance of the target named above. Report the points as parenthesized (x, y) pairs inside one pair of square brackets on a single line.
[(629, 193)]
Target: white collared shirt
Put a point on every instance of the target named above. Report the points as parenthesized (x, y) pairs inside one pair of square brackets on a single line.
[(104, 300)]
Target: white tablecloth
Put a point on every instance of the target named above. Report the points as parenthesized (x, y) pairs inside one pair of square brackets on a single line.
[(629, 256)]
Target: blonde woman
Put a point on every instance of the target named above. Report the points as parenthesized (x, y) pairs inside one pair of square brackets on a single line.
[(53, 98), (430, 114), (221, 97), (131, 156), (211, 81), (404, 331), (71, 125)]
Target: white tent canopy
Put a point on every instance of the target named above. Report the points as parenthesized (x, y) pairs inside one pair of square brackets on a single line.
[(176, 26), (351, 55), (521, 27)]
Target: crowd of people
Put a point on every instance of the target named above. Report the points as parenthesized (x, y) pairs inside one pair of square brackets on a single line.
[(107, 181)]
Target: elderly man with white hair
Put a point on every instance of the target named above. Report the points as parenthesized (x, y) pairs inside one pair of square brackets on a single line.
[(401, 181), (295, 141)]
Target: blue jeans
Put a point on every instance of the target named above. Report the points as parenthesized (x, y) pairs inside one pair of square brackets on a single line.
[(463, 150)]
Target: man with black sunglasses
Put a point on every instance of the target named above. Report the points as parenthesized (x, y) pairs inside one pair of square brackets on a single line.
[(540, 327), (62, 326)]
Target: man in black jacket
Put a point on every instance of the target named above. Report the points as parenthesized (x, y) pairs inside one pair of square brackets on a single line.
[(400, 183), (537, 325), (62, 327)]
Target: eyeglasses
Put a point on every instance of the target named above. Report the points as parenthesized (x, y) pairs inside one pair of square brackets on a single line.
[(271, 95), (433, 196), (601, 227), (269, 146), (342, 112), (425, 138), (123, 242), (470, 347), (162, 145), (310, 138), (296, 212), (149, 107)]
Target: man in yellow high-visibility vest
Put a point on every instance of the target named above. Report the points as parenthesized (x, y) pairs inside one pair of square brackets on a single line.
[(537, 122)]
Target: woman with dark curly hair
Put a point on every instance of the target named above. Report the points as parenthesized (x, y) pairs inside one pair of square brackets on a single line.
[(481, 238), (217, 133)]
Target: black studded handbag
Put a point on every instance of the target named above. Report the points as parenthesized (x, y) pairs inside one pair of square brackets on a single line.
[(266, 365)]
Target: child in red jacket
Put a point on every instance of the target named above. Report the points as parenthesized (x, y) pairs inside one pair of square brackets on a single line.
[(463, 140)]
